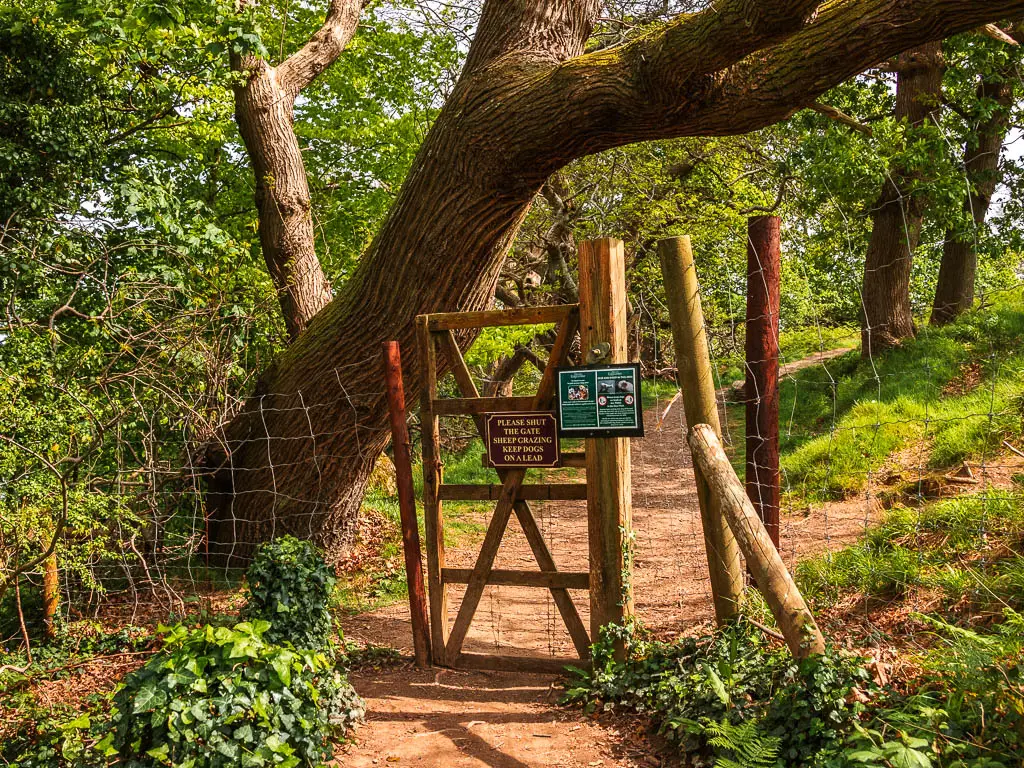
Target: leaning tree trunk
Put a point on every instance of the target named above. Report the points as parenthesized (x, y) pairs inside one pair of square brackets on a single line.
[(899, 212), (264, 104), (296, 459), (954, 292)]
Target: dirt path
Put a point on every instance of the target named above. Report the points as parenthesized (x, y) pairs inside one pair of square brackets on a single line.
[(462, 720), (492, 719)]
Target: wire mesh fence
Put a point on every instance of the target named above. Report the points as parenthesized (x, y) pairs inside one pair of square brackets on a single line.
[(141, 534)]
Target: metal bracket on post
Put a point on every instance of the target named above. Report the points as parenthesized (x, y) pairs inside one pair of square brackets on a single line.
[(599, 353)]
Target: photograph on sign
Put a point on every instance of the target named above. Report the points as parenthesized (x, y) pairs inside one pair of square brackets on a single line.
[(522, 439), (600, 401)]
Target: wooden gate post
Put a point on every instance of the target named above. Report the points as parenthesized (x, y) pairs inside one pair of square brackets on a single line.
[(407, 503), (609, 501), (764, 482), (693, 363)]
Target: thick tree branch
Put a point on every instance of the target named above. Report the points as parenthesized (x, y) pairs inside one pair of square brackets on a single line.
[(323, 48), (556, 29), (669, 84)]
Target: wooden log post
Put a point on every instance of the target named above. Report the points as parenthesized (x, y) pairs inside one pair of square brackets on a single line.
[(433, 520), (764, 481), (51, 596), (780, 591), (407, 503), (602, 287), (693, 365)]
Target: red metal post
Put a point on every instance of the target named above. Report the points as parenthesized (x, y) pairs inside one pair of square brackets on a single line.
[(407, 503), (762, 384)]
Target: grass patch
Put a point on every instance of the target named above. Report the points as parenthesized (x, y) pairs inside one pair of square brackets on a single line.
[(960, 388), (968, 548), (793, 345)]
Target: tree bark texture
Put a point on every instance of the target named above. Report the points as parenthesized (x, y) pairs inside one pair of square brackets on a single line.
[(528, 103), (899, 212), (954, 292), (263, 110)]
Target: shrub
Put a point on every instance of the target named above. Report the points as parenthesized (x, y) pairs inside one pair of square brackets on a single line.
[(289, 587), (730, 699), (218, 697)]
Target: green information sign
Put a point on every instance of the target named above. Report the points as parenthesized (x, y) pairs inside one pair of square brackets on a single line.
[(600, 401)]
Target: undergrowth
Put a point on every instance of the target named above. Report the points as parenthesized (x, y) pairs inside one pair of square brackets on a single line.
[(969, 549), (265, 692), (731, 699)]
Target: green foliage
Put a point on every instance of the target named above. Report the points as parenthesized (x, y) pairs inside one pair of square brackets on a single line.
[(746, 746), (226, 697), (842, 420), (289, 586), (965, 710), (931, 547), (729, 697)]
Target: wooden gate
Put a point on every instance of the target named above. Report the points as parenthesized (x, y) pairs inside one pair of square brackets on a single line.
[(435, 335)]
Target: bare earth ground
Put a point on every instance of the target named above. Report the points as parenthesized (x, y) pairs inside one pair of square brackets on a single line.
[(445, 718)]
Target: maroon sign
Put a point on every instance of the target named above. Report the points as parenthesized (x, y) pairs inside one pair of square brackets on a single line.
[(522, 439)]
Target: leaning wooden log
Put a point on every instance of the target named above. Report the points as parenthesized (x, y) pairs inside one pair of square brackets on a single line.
[(780, 591)]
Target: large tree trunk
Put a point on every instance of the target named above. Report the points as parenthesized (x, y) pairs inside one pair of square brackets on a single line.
[(263, 110), (954, 292), (295, 460), (899, 211)]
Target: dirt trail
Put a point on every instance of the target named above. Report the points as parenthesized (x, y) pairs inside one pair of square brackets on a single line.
[(493, 719), (462, 719)]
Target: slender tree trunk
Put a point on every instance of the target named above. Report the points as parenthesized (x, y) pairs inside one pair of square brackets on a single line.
[(954, 292), (263, 110), (296, 458), (264, 115), (899, 211)]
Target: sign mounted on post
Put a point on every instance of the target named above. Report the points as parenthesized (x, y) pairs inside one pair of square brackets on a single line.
[(522, 439), (600, 401)]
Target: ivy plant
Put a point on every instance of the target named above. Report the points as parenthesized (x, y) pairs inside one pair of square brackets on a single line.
[(289, 587), (225, 696)]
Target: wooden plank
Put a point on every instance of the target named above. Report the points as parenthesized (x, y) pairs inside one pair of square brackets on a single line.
[(549, 665), (446, 321), (563, 600), (575, 459), (484, 562), (514, 578), (539, 492), (400, 444), (469, 406), (603, 310), (433, 518), (787, 605), (682, 293)]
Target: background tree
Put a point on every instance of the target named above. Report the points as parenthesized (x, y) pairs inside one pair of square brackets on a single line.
[(898, 214), (987, 120)]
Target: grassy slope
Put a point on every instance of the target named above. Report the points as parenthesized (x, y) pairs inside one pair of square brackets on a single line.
[(841, 421)]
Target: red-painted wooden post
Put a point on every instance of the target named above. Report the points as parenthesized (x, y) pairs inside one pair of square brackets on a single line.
[(762, 385), (407, 503)]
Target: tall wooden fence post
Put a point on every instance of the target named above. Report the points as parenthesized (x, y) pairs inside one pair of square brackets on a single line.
[(407, 502), (693, 362), (762, 384), (609, 494)]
